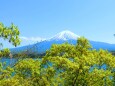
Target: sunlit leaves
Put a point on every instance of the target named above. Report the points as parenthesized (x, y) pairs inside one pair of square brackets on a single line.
[(74, 64), (63, 65), (28, 68), (10, 33)]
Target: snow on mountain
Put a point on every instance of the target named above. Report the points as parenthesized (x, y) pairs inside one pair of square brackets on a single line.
[(62, 37), (65, 35)]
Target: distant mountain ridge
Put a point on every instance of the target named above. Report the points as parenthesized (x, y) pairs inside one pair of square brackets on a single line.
[(62, 37)]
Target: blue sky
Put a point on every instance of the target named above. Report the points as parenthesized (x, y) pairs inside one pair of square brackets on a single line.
[(94, 19)]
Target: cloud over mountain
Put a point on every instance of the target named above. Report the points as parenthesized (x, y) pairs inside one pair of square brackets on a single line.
[(35, 39), (40, 45)]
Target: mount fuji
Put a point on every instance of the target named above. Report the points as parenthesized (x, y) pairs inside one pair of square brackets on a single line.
[(62, 37), (65, 35)]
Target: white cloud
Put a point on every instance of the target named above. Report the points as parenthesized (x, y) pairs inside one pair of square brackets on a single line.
[(35, 39)]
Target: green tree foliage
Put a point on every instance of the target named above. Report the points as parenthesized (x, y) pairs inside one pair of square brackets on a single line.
[(11, 34), (64, 65), (81, 65)]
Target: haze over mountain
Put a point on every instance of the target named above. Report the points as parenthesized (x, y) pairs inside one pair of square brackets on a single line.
[(64, 36)]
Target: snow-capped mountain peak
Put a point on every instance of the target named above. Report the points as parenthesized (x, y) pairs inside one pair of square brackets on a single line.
[(65, 35), (62, 37)]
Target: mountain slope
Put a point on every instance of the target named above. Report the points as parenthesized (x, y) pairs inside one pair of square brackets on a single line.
[(62, 37), (65, 35)]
